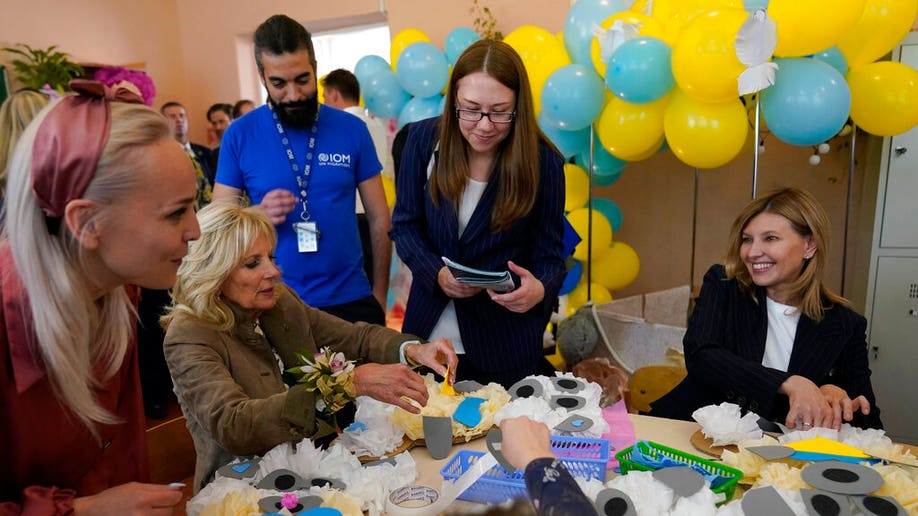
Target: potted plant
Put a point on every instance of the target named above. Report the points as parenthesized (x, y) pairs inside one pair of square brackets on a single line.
[(39, 67)]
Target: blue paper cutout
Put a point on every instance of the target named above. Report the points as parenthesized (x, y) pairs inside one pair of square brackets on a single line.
[(661, 461), (816, 457), (241, 468), (322, 511), (356, 426), (469, 411), (577, 423)]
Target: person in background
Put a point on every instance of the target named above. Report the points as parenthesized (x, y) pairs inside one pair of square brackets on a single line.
[(220, 117), (242, 107), (234, 328), (303, 164), (491, 196), (15, 114), (341, 90), (768, 335), (202, 156), (100, 199)]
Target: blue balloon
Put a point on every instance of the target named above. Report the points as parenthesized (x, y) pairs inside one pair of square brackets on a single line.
[(457, 41), (368, 66), (606, 167), (833, 57), (569, 143), (422, 69), (572, 278), (573, 96), (809, 102), (582, 18), (639, 71), (442, 104), (611, 210), (384, 96), (755, 5), (418, 109)]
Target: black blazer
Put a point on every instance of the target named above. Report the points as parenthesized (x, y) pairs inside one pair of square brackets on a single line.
[(495, 339), (725, 344), (207, 159)]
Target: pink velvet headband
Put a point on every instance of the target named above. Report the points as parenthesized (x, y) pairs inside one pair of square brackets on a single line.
[(69, 144)]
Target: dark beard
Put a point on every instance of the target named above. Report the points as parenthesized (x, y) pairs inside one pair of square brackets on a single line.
[(297, 115)]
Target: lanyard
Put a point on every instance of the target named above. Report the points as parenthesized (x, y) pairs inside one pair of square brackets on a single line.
[(301, 176)]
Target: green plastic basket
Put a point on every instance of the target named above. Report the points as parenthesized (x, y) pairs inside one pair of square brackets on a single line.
[(657, 450)]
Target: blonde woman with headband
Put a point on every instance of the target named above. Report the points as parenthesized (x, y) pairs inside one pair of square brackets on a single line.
[(100, 199), (15, 114)]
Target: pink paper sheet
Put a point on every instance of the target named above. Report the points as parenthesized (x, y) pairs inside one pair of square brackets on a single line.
[(621, 431)]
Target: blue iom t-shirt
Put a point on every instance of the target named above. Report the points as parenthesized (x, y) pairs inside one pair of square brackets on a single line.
[(252, 158)]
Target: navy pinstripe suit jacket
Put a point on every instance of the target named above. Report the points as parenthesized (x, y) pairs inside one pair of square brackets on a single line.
[(725, 343), (495, 339)]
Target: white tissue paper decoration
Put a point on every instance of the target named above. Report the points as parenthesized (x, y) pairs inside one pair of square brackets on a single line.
[(723, 424), (380, 435), (539, 410), (755, 44), (649, 495), (613, 37)]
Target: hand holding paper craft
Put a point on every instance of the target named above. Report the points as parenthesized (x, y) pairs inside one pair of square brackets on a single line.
[(530, 292), (491, 280)]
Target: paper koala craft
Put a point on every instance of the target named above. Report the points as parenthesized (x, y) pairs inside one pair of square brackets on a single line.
[(567, 386)]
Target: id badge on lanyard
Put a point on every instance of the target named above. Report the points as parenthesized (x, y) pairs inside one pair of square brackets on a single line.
[(307, 234), (307, 237)]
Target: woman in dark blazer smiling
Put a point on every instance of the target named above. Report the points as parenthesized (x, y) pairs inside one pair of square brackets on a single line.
[(768, 335), (482, 186)]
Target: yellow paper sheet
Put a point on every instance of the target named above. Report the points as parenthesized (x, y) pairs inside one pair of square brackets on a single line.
[(827, 446)]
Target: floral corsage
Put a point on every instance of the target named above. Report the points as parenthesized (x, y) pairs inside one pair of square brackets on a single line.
[(330, 376)]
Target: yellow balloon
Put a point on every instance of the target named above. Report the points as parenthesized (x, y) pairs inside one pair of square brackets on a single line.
[(884, 97), (618, 268), (704, 57), (807, 27), (647, 26), (673, 15), (578, 297), (705, 135), (576, 187), (629, 130), (542, 53), (647, 154), (602, 233), (389, 189), (882, 25), (402, 40)]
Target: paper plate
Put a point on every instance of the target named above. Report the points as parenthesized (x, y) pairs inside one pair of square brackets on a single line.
[(706, 445)]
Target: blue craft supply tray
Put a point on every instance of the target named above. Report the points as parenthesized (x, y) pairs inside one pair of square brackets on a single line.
[(583, 457)]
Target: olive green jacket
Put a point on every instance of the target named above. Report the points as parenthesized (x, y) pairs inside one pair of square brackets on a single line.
[(229, 383)]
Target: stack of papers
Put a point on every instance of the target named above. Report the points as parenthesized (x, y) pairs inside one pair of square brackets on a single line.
[(492, 280)]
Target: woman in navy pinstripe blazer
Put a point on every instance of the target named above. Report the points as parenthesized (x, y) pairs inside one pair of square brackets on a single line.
[(482, 186), (768, 335)]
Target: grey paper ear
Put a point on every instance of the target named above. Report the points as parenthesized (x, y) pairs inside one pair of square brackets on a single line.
[(823, 503), (494, 442), (438, 434), (842, 477), (467, 386), (272, 504), (240, 470), (567, 401), (772, 452), (574, 423), (526, 388), (683, 481), (765, 501), (612, 502), (333, 483), (879, 505), (283, 480), (568, 385)]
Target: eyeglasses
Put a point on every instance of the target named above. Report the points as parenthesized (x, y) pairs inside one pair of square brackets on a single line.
[(470, 115)]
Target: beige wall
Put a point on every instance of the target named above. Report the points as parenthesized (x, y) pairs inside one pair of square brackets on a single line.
[(195, 51)]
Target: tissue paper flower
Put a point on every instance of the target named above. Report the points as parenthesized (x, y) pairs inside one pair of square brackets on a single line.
[(724, 425), (235, 504), (781, 475)]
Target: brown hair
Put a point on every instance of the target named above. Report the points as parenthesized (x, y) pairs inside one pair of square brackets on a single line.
[(518, 159), (808, 218)]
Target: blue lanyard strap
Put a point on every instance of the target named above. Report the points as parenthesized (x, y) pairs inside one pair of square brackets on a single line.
[(301, 175)]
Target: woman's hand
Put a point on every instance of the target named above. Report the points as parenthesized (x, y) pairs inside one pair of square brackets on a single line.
[(133, 498), (843, 407), (437, 354), (452, 288), (530, 292), (524, 440), (391, 383), (807, 404)]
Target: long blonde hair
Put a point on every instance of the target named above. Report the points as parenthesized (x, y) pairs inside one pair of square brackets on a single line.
[(76, 330), (15, 114), (518, 160), (228, 232), (808, 218)]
